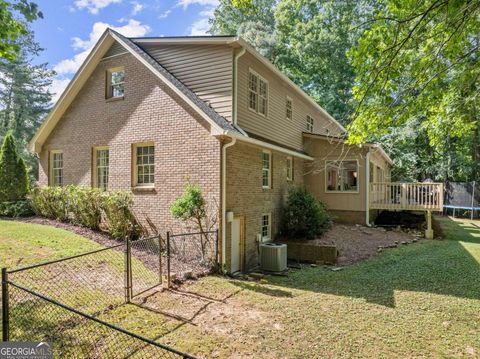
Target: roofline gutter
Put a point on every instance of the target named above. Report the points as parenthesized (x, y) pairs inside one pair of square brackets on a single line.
[(267, 145)]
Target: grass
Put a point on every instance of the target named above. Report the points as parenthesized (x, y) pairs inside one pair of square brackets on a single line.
[(421, 300)]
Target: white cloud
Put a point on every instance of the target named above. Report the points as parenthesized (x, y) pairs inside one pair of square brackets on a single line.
[(165, 14), (137, 7), (94, 6), (199, 27), (57, 87), (133, 28), (187, 3)]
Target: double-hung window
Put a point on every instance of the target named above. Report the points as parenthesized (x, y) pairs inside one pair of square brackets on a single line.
[(56, 168), (101, 159), (290, 169), (257, 93), (289, 108), (266, 169), (266, 227), (144, 165), (342, 176), (309, 126), (115, 83)]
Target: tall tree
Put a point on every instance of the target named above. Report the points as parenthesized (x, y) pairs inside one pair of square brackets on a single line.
[(254, 20), (14, 14), (313, 40), (13, 173), (419, 61), (24, 96)]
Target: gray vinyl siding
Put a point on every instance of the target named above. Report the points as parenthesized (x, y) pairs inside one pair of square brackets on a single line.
[(115, 49), (275, 126), (206, 69)]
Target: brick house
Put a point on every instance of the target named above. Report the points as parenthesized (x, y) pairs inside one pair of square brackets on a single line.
[(146, 114)]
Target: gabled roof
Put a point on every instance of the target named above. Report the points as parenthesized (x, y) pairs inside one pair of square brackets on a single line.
[(219, 124), (236, 41)]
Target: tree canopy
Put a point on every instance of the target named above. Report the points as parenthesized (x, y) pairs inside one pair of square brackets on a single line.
[(14, 16)]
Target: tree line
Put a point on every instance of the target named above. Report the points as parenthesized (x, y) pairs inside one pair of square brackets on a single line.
[(404, 74)]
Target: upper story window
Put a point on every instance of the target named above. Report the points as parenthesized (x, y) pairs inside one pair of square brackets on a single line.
[(266, 169), (289, 169), (56, 168), (144, 165), (342, 176), (257, 93), (289, 108), (115, 82), (101, 159), (309, 127)]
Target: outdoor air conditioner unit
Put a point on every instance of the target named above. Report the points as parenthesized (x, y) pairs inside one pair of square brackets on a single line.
[(273, 257)]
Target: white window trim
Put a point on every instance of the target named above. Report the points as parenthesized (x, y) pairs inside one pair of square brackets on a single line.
[(258, 96), (135, 183), (291, 109), (290, 176), (343, 160), (269, 169), (95, 183), (50, 168), (109, 90), (268, 238)]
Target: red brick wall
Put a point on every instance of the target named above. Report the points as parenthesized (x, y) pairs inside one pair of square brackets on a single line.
[(150, 112)]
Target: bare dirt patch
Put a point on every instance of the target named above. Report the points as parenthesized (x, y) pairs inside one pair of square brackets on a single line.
[(356, 243)]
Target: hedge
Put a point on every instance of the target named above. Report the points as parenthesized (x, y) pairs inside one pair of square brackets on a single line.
[(89, 207)]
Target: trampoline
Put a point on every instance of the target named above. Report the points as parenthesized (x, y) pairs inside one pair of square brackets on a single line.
[(462, 196)]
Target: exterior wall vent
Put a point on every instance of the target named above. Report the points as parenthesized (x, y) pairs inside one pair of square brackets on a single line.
[(273, 257)]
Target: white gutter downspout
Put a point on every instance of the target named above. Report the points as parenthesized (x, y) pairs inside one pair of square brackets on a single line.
[(224, 154), (367, 188), (224, 198), (235, 85)]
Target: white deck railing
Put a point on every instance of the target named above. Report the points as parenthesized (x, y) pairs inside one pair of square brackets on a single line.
[(406, 196)]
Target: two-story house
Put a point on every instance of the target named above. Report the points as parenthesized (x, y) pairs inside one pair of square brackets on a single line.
[(148, 114)]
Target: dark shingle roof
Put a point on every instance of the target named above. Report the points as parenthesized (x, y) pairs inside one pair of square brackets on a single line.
[(210, 112)]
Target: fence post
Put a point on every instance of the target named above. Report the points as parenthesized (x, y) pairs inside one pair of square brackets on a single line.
[(216, 246), (5, 306), (473, 199), (128, 270), (168, 260), (160, 260)]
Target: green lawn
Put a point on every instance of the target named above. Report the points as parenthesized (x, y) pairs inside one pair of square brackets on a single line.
[(421, 300)]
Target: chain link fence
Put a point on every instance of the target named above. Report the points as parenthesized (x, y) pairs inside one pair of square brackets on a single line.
[(63, 301)]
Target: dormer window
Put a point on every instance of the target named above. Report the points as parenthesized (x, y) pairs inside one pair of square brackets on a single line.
[(257, 93), (115, 82)]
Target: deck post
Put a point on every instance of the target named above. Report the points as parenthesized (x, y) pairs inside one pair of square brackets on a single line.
[(429, 230)]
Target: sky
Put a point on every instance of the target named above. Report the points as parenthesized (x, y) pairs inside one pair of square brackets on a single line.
[(70, 28)]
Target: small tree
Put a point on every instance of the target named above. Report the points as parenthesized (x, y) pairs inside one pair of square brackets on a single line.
[(191, 206), (304, 216), (13, 173)]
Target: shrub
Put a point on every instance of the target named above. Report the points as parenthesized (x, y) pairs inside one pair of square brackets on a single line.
[(89, 207), (13, 173), (16, 209), (119, 218), (304, 216)]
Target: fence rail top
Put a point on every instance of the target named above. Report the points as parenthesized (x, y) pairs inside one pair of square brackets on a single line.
[(63, 259), (409, 183), (191, 233)]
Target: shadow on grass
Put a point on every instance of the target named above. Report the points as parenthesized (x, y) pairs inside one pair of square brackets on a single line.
[(450, 267)]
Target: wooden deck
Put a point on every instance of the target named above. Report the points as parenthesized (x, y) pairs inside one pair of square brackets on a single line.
[(406, 196)]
